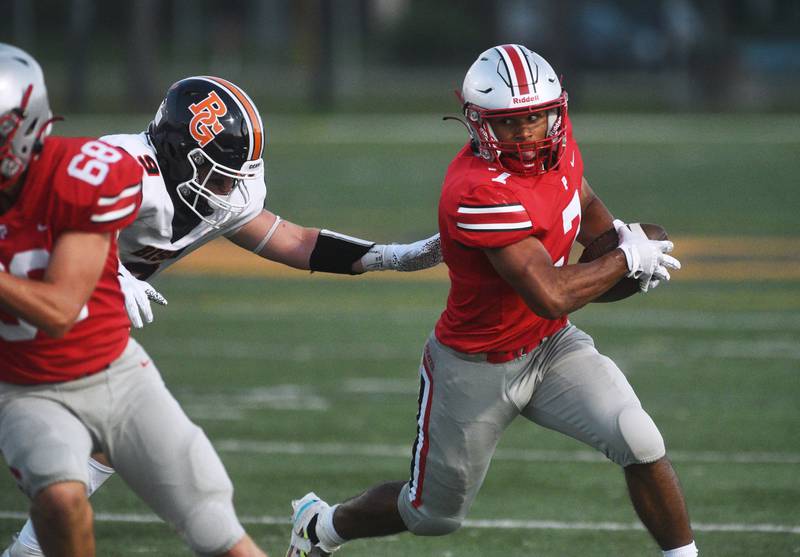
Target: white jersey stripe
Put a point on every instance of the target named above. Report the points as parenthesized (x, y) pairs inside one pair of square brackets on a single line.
[(487, 210), (114, 215), (496, 225), (127, 192)]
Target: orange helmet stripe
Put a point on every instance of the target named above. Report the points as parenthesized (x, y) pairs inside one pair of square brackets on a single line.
[(252, 114)]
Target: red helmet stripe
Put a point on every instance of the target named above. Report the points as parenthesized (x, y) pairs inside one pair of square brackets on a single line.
[(26, 96), (252, 115), (519, 77)]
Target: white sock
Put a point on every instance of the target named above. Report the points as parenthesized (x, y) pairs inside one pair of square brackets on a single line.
[(329, 538), (27, 537), (685, 551), (98, 474)]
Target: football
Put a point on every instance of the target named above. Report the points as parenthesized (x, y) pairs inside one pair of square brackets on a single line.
[(608, 241)]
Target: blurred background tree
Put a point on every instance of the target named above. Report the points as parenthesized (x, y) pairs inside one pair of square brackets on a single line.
[(401, 55)]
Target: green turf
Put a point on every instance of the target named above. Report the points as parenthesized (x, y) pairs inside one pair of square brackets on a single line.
[(262, 363), (324, 337)]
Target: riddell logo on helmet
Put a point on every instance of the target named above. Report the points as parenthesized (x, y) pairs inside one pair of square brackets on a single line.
[(205, 124), (525, 99)]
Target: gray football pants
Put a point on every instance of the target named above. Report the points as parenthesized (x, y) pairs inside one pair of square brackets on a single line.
[(47, 433), (466, 404)]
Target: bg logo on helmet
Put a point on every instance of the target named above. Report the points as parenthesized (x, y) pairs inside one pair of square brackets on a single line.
[(205, 124)]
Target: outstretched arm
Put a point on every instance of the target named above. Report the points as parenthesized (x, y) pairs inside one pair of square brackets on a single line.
[(276, 239), (301, 247)]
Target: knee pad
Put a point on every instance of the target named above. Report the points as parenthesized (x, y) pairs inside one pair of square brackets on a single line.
[(423, 521), (640, 435), (434, 526), (212, 529)]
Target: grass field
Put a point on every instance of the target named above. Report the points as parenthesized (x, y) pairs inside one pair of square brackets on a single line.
[(310, 382)]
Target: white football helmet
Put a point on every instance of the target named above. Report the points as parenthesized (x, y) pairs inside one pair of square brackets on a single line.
[(507, 81), (24, 111)]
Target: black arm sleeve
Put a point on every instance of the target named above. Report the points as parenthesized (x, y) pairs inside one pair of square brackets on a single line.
[(336, 253)]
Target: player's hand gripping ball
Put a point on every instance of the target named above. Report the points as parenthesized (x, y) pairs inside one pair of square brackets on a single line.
[(607, 242)]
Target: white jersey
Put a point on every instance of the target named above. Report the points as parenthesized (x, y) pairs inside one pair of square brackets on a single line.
[(146, 246)]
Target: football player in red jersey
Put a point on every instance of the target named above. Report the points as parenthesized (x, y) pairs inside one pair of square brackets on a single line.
[(204, 179), (513, 202), (72, 381)]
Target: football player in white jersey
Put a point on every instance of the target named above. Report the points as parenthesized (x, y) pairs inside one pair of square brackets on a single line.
[(202, 155), (204, 178)]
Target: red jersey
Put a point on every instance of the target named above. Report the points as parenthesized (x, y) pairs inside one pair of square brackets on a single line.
[(482, 206), (74, 184)]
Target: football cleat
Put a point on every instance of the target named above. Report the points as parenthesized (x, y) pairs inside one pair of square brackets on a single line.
[(19, 549), (305, 542)]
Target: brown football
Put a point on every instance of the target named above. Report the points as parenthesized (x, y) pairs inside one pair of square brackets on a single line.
[(608, 241)]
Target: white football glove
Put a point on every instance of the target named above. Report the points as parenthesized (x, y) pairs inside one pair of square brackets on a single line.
[(647, 259), (138, 295), (660, 274), (404, 257)]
